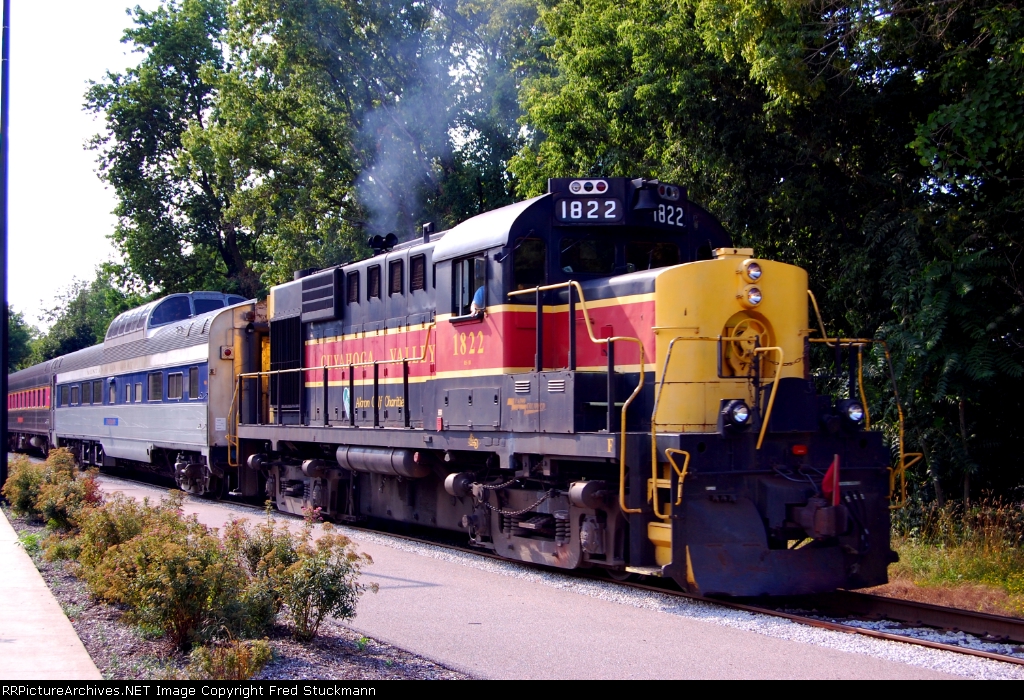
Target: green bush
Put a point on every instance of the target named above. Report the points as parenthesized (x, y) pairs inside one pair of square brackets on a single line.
[(233, 661), (174, 576), (322, 581), (117, 521), (24, 480), (54, 491), (65, 497)]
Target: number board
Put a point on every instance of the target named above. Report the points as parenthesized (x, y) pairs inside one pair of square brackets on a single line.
[(673, 215), (589, 210)]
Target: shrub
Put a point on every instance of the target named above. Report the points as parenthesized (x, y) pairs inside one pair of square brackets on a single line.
[(231, 661), (174, 576), (115, 522), (29, 541), (53, 491), (24, 480), (322, 581), (65, 496)]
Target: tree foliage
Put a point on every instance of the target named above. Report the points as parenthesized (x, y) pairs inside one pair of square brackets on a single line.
[(874, 142), (82, 315), (20, 337)]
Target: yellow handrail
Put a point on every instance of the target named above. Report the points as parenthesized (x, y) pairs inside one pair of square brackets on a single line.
[(900, 470), (669, 451), (775, 387), (603, 341), (652, 495)]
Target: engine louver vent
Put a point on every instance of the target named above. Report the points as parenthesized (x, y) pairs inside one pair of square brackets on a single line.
[(523, 386), (556, 386), (322, 296)]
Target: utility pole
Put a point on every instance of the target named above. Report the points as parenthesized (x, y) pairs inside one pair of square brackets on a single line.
[(5, 152)]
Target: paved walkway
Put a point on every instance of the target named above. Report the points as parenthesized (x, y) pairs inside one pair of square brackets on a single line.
[(494, 626), (37, 642)]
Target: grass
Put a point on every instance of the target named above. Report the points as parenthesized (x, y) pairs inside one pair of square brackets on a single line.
[(971, 558)]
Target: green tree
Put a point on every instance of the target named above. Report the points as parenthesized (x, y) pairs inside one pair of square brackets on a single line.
[(20, 336), (173, 228), (866, 141), (82, 315)]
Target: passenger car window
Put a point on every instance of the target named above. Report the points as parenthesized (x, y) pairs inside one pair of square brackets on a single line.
[(156, 386), (529, 262), (193, 383), (586, 255), (74, 395), (86, 392), (113, 393), (169, 311), (174, 385), (97, 391), (138, 392), (205, 305)]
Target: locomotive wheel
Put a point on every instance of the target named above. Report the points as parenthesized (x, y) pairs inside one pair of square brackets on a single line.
[(621, 576)]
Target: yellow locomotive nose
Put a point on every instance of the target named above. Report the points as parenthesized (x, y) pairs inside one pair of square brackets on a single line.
[(712, 316)]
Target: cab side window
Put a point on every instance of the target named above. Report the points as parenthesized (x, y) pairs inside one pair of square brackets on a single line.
[(469, 286), (529, 261)]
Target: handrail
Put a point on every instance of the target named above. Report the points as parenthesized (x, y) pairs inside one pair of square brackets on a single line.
[(771, 397), (235, 416), (603, 341), (669, 451), (652, 495), (900, 470)]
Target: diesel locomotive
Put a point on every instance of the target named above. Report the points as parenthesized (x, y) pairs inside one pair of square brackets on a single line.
[(592, 378)]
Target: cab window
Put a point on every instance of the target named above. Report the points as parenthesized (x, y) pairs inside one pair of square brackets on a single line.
[(469, 286), (642, 255), (586, 255), (529, 261)]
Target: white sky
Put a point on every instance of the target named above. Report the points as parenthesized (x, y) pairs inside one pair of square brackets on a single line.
[(59, 210)]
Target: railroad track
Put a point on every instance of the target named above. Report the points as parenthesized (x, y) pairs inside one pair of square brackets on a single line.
[(824, 611)]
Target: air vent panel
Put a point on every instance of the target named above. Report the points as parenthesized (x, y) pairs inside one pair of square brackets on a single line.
[(322, 296)]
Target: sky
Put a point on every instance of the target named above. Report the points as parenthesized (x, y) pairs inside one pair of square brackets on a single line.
[(60, 212)]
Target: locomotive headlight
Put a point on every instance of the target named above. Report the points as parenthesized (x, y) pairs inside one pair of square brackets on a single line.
[(852, 413), (855, 412), (739, 413), (751, 271), (735, 415), (750, 296)]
